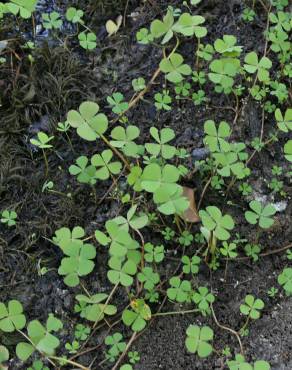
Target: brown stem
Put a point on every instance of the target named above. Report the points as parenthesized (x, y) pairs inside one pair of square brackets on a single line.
[(223, 327), (125, 351)]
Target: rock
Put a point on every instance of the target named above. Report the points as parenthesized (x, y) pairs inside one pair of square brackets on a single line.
[(200, 153)]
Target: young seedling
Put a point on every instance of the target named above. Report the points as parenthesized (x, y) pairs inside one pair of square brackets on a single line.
[(52, 20), (251, 308), (203, 298), (138, 316), (74, 15), (42, 142), (134, 357), (93, 308), (215, 226), (260, 214), (8, 217), (285, 280)]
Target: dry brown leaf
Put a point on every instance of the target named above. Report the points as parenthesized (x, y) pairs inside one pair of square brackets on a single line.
[(190, 214), (112, 27)]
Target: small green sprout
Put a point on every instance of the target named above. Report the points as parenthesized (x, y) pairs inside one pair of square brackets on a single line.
[(228, 250), (168, 233), (272, 292), (227, 46), (134, 357), (185, 238), (42, 142), (252, 307), (285, 279), (216, 138), (52, 20), (203, 298), (81, 332), (260, 214), (289, 254), (198, 339), (8, 217), (248, 15), (253, 251), (205, 52), (72, 347), (183, 88), (189, 25), (74, 15), (245, 188), (199, 97), (116, 101), (144, 37), (163, 100), (85, 174), (138, 84)]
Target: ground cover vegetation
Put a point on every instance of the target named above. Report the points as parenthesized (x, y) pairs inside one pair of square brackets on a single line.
[(138, 216)]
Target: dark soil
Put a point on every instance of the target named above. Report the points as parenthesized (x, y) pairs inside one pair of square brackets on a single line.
[(36, 97)]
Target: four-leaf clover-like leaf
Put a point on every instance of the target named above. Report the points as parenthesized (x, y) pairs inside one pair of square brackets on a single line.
[(121, 272), (262, 66), (89, 123), (105, 166), (252, 307), (78, 263), (162, 138), (11, 317), (213, 220), (87, 40), (174, 68), (260, 214), (197, 340)]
